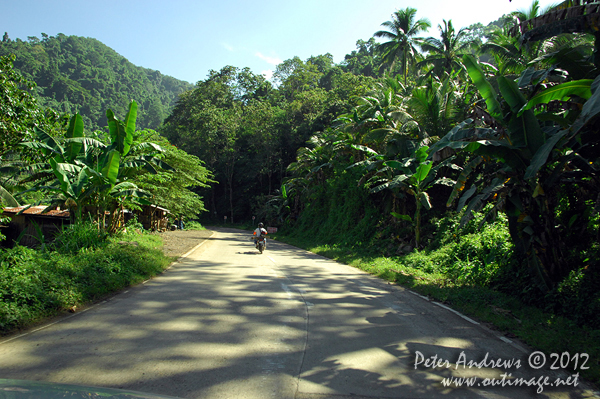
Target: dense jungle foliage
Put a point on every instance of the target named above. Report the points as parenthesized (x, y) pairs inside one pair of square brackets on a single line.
[(472, 155), (78, 74)]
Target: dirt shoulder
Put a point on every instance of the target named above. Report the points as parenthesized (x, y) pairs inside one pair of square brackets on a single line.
[(177, 243)]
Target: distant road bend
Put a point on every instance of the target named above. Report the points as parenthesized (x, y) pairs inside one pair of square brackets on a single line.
[(227, 322)]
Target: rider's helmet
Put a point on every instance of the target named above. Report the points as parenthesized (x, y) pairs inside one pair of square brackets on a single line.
[(261, 225)]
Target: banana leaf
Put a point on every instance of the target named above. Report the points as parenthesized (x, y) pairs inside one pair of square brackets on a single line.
[(465, 197), (51, 146), (111, 166), (590, 109), (75, 129), (62, 178), (421, 154), (422, 171), (483, 86), (462, 179), (7, 197), (541, 156), (130, 119), (580, 88), (364, 149), (477, 202), (524, 129), (424, 199), (397, 165), (121, 134), (401, 217)]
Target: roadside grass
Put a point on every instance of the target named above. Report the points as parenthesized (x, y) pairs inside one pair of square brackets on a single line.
[(475, 274), (79, 268), (194, 225)]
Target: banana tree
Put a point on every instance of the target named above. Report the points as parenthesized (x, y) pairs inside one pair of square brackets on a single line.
[(412, 175), (65, 174), (534, 152), (418, 174), (7, 181), (87, 172), (118, 165)]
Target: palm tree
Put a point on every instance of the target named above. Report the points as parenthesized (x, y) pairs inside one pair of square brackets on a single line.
[(401, 34), (445, 54), (380, 119), (508, 54), (433, 106), (532, 12)]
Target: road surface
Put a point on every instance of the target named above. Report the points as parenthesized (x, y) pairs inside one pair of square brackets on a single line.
[(227, 322)]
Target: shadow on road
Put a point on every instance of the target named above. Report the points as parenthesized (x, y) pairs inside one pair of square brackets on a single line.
[(220, 325)]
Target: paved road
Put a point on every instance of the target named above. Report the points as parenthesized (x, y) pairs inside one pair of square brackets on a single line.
[(227, 322)]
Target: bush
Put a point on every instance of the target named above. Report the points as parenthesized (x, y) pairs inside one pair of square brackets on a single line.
[(85, 235), (193, 225)]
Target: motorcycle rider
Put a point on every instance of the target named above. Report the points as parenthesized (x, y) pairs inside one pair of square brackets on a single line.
[(260, 231)]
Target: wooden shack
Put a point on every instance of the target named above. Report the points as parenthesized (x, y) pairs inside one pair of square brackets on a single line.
[(31, 222), (153, 217)]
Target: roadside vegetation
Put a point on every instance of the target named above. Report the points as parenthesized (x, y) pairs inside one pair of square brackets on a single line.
[(477, 272), (80, 267), (50, 159)]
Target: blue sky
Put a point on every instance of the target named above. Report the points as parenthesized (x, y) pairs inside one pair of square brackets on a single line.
[(186, 39)]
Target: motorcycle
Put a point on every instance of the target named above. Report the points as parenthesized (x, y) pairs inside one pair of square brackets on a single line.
[(261, 243)]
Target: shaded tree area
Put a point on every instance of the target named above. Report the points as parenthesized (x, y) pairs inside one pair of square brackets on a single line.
[(77, 74), (248, 129)]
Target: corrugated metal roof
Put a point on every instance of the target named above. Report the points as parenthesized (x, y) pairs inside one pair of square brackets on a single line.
[(37, 210), (158, 207)]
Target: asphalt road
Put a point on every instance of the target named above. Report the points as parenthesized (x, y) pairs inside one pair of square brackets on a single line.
[(227, 322)]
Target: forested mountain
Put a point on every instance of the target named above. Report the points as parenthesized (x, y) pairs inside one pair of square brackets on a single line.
[(77, 74)]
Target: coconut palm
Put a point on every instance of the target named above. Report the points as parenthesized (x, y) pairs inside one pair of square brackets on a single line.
[(445, 54), (433, 107), (401, 33), (532, 12), (380, 119), (509, 56)]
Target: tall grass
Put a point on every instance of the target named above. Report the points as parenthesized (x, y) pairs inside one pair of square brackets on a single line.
[(82, 236)]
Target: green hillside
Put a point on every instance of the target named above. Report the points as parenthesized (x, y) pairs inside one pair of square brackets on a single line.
[(78, 74)]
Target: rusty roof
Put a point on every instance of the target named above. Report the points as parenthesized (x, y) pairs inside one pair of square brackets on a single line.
[(37, 211)]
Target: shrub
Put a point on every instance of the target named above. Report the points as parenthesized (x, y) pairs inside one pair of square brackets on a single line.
[(85, 235), (193, 225)]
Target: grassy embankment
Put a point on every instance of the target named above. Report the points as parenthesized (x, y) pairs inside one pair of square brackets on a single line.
[(476, 273), (79, 268)]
